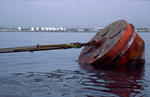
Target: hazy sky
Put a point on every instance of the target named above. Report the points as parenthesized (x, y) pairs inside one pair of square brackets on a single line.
[(73, 13)]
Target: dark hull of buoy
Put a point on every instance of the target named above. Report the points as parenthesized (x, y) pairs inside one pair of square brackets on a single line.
[(120, 46)]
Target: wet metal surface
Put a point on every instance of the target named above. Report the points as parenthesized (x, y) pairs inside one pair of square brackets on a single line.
[(107, 38)]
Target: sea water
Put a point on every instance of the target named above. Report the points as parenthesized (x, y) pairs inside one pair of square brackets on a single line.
[(56, 73)]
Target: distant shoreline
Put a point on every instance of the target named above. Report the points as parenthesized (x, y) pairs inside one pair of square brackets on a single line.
[(141, 31), (61, 29)]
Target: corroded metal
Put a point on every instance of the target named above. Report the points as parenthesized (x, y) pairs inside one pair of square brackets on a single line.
[(119, 45)]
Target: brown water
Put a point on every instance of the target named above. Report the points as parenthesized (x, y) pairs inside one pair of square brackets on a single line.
[(57, 73)]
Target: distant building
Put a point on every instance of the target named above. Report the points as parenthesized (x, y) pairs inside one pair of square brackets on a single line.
[(37, 28), (19, 28), (80, 30), (57, 29), (32, 28), (49, 29), (42, 29), (97, 29), (61, 28), (46, 28), (53, 29), (64, 29)]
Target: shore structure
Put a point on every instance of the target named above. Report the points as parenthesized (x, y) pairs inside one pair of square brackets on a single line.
[(59, 29)]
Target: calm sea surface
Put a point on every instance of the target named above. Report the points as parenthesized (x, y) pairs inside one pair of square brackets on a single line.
[(56, 73)]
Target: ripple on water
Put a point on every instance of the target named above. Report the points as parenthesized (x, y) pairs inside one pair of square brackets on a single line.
[(68, 83), (64, 78)]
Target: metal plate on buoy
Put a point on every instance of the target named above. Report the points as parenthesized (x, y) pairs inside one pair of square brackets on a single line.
[(111, 41)]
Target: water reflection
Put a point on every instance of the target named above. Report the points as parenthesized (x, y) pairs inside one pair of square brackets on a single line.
[(78, 83), (127, 83)]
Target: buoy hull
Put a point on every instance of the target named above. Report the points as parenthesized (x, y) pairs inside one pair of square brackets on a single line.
[(135, 54), (118, 47)]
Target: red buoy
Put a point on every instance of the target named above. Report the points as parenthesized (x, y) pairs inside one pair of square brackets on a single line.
[(118, 45)]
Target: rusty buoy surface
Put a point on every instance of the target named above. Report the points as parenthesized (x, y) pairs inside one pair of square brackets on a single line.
[(118, 45)]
